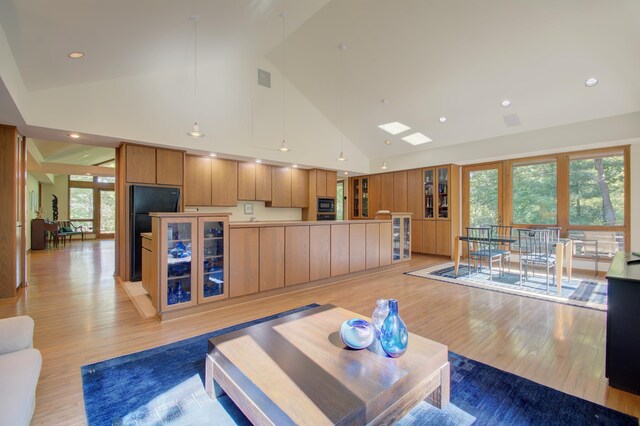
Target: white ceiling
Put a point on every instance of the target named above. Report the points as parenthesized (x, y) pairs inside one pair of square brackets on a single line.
[(428, 58)]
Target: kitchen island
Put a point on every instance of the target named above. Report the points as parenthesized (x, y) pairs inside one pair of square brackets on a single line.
[(198, 258)]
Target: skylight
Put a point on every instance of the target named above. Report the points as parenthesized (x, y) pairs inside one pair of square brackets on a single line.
[(394, 128), (416, 139)]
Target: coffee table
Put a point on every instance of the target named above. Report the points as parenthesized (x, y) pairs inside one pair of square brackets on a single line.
[(295, 370)]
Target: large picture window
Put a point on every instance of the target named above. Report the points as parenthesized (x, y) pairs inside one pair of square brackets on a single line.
[(81, 207), (92, 203), (535, 195), (596, 190)]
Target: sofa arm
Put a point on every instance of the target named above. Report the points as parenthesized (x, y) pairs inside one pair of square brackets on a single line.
[(16, 333)]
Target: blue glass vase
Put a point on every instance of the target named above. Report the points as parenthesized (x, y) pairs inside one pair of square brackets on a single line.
[(394, 336)]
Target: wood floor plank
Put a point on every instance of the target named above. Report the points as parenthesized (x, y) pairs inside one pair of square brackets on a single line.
[(82, 316)]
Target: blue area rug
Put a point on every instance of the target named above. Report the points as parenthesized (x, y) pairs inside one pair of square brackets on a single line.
[(164, 386), (577, 292)]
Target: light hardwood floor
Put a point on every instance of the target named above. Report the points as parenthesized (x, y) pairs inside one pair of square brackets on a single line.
[(82, 316)]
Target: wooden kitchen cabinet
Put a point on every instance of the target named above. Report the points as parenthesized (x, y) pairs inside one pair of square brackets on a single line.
[(400, 203), (386, 191), (319, 252), (224, 182), (280, 187), (272, 258), (246, 181), (140, 164), (415, 193), (263, 182), (372, 257), (169, 167), (401, 223), (299, 188), (357, 247), (339, 250), (374, 194), (417, 236), (321, 183), (244, 251), (443, 238), (332, 184), (197, 181), (360, 198), (296, 255), (385, 243), (429, 242)]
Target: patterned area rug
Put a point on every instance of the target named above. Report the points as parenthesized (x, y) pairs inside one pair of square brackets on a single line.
[(578, 292), (164, 386)]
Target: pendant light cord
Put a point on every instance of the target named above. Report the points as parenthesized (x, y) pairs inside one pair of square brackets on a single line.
[(284, 67), (195, 66), (342, 47)]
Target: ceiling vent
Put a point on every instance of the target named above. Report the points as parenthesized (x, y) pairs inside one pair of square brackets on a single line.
[(264, 78), (511, 120)]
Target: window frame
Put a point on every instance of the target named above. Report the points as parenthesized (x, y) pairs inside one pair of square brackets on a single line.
[(96, 186), (563, 201)]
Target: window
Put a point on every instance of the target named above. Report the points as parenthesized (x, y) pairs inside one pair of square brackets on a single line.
[(596, 191), (106, 179), (483, 195), (81, 178), (535, 198), (340, 200), (81, 207)]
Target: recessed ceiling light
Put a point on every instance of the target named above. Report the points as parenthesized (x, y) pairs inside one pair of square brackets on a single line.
[(394, 128), (443, 119), (506, 103), (88, 174), (85, 156), (346, 173), (590, 82), (387, 142), (258, 161), (212, 154), (295, 166), (76, 55), (416, 139), (74, 135)]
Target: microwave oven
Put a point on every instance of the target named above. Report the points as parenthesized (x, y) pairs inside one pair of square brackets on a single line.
[(326, 205)]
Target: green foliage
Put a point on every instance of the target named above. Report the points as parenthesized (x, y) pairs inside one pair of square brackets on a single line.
[(483, 202), (80, 203), (587, 202), (535, 194), (340, 202)]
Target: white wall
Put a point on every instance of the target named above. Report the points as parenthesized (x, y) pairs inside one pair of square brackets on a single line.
[(60, 188)]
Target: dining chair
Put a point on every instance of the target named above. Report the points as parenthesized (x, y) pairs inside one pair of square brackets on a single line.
[(534, 251), (504, 248), (479, 240)]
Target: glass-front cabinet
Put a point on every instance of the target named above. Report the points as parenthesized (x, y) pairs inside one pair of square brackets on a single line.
[(360, 190), (401, 237), (213, 265), (436, 192), (178, 284)]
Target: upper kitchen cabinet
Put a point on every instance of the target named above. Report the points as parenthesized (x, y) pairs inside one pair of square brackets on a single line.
[(263, 182), (386, 191), (153, 165), (224, 182), (374, 194), (400, 203), (326, 182), (321, 183), (247, 181), (280, 187), (169, 164), (299, 188), (197, 181), (332, 184), (415, 193)]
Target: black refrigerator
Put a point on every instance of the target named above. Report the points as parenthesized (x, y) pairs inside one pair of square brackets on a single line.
[(142, 201)]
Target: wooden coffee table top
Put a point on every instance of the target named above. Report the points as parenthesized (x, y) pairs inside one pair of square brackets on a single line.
[(297, 369)]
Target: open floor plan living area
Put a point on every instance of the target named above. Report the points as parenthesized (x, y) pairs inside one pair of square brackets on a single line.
[(341, 212)]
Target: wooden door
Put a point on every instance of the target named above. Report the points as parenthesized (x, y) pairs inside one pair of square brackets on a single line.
[(244, 255), (296, 255), (299, 188), (280, 187), (332, 184), (141, 164), (263, 182), (319, 252), (271, 258), (386, 192), (415, 193), (224, 182), (400, 203), (169, 165), (374, 195), (246, 181), (321, 183), (197, 181)]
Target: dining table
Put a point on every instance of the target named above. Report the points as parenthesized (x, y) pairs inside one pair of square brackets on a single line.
[(563, 248)]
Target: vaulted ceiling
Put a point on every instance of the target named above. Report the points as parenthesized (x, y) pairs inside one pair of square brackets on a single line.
[(427, 58)]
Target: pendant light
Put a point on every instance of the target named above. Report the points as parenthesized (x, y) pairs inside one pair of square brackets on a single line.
[(195, 129), (384, 165), (342, 48), (283, 146)]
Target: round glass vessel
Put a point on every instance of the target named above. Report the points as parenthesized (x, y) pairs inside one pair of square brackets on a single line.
[(394, 336), (357, 333)]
